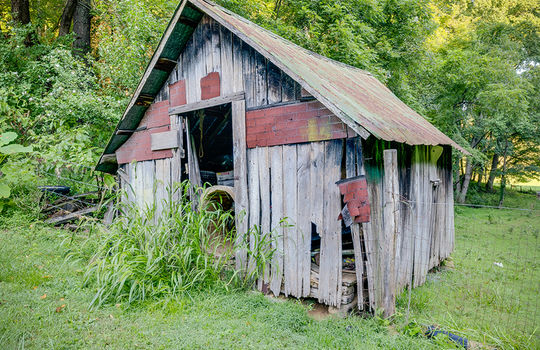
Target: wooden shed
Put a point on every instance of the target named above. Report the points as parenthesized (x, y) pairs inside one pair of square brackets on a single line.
[(364, 181)]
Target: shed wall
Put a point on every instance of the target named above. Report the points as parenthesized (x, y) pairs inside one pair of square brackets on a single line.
[(295, 179)]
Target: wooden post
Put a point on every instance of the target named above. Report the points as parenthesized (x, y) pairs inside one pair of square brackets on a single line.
[(352, 158), (240, 179), (391, 230)]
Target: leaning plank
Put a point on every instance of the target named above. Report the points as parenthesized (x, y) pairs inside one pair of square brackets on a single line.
[(71, 216), (216, 101), (289, 211), (303, 216), (276, 175), (264, 190), (331, 260), (240, 180), (391, 230)]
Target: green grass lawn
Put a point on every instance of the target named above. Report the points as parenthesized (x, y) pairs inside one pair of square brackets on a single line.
[(43, 303), (35, 281), (477, 299)]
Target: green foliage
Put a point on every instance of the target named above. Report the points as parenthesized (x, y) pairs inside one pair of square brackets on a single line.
[(126, 33), (32, 265), (186, 249), (8, 148)]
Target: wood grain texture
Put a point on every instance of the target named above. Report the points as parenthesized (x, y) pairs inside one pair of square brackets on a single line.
[(276, 175), (353, 159), (331, 256), (254, 204), (391, 233), (240, 180), (303, 224), (291, 231), (264, 191)]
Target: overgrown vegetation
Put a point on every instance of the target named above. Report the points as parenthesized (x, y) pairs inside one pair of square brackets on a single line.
[(184, 250)]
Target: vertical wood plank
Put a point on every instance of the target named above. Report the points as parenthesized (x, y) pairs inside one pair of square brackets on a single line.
[(238, 78), (303, 166), (264, 190), (277, 215), (176, 160), (331, 250), (189, 62), (240, 179), (248, 71), (216, 45), (159, 188), (254, 203), (289, 211), (288, 92), (317, 189), (207, 50), (391, 230), (274, 83), (226, 61), (261, 97), (352, 158)]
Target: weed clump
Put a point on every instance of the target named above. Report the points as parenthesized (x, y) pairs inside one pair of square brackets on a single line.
[(146, 256)]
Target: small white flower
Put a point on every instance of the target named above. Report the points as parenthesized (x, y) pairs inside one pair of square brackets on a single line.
[(498, 264)]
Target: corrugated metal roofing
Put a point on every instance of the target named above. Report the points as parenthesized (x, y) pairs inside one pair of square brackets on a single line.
[(354, 95)]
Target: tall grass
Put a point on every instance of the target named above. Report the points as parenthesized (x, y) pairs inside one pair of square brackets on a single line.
[(142, 256)]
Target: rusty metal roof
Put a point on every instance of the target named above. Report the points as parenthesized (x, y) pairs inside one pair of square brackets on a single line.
[(351, 93), (354, 95)]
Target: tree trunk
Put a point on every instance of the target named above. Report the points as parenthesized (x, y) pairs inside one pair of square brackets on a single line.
[(81, 27), (503, 175), (67, 17), (466, 180), (460, 180), (492, 172), (20, 11)]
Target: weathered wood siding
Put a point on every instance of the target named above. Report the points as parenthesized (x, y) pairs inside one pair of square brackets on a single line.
[(214, 49), (424, 232), (296, 182)]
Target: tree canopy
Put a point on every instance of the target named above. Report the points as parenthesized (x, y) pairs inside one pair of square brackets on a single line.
[(470, 67)]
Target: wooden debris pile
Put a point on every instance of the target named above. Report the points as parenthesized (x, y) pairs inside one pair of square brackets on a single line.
[(61, 208)]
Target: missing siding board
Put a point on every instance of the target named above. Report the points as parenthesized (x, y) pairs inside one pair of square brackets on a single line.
[(292, 123)]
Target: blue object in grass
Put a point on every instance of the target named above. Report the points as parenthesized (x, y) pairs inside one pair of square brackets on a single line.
[(433, 331)]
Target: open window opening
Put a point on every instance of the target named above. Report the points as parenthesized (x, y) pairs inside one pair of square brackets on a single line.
[(212, 144)]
